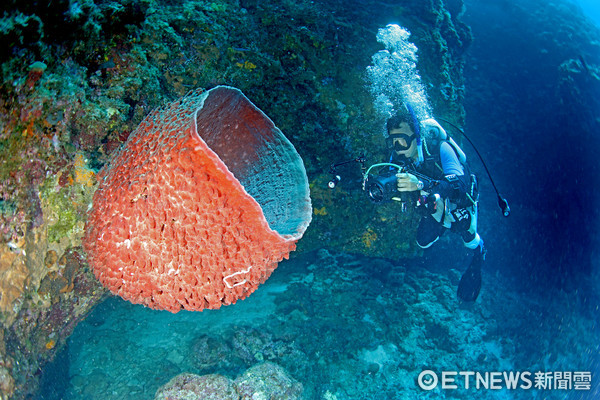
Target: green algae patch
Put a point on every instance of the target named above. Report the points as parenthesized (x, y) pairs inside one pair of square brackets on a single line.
[(65, 199)]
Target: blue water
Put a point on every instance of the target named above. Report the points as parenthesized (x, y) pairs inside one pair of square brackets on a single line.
[(591, 9), (353, 327), (545, 140)]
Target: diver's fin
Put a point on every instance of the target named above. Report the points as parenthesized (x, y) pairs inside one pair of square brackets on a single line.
[(470, 283)]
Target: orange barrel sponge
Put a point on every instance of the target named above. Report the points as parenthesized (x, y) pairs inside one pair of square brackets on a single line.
[(198, 206)]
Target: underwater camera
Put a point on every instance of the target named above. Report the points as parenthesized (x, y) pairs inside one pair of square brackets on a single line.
[(381, 187)]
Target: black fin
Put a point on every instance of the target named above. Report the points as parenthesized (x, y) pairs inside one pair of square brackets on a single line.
[(470, 282)]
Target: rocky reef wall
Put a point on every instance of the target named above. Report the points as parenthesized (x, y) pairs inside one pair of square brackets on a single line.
[(78, 76)]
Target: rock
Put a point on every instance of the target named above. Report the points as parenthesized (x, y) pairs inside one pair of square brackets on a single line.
[(267, 381), (194, 387)]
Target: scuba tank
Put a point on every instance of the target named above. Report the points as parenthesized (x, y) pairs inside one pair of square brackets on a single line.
[(435, 134)]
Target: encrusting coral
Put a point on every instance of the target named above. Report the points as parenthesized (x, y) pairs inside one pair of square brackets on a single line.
[(263, 381)]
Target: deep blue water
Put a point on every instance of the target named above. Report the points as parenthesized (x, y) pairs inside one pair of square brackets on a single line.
[(545, 140), (360, 328), (545, 126)]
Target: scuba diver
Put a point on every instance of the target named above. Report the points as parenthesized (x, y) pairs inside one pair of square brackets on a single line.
[(446, 192)]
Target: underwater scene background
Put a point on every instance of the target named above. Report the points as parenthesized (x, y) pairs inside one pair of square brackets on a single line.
[(359, 311)]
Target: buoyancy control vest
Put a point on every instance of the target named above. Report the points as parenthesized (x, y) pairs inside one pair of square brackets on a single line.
[(463, 189)]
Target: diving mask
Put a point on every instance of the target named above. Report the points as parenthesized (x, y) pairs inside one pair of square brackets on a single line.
[(400, 141)]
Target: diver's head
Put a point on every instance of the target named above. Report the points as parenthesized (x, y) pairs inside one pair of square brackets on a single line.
[(401, 137)]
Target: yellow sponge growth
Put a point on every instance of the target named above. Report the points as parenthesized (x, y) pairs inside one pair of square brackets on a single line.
[(83, 174)]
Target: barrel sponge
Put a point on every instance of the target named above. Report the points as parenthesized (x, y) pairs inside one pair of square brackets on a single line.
[(198, 206)]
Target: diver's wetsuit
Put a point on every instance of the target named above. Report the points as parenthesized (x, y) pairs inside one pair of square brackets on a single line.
[(455, 210)]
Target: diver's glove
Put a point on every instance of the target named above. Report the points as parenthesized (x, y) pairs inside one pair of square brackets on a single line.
[(408, 182), (427, 204)]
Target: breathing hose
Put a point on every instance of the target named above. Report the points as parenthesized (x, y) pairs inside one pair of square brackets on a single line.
[(502, 202)]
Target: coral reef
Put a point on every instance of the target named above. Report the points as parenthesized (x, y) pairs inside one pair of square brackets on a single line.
[(77, 78), (45, 321), (45, 283), (347, 325), (190, 387), (267, 381)]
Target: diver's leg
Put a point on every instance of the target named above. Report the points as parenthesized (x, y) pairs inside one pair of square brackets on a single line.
[(470, 282), (428, 232), (471, 238)]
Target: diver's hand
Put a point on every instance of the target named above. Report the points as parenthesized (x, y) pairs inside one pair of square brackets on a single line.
[(407, 182)]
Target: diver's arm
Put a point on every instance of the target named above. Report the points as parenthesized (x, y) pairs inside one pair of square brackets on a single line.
[(455, 183)]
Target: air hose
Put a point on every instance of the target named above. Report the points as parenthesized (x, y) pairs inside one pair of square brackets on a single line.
[(417, 129), (502, 202)]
